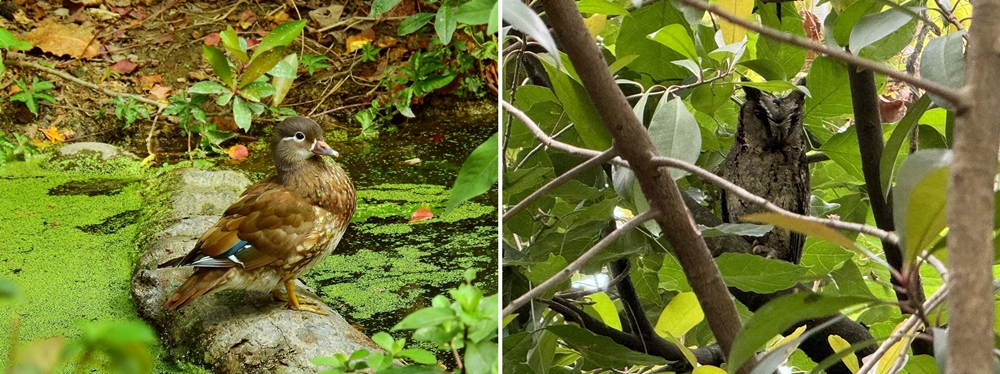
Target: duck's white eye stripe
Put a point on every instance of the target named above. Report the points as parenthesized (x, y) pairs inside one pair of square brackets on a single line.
[(299, 136)]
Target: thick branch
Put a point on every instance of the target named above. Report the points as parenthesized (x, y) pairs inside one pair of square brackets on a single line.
[(798, 41), (566, 272), (971, 201), (660, 190)]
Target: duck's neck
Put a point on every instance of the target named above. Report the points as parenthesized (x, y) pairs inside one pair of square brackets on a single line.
[(321, 183)]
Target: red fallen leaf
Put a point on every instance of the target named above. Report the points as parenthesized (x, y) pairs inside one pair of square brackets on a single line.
[(164, 38), (213, 39), (237, 152), (123, 67), (421, 214)]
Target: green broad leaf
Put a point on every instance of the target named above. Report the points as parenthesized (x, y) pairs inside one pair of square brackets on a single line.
[(256, 91), (39, 86), (921, 364), (578, 107), (845, 21), (220, 64), (680, 315), (261, 64), (379, 361), (770, 86), (891, 45), (542, 271), (920, 200), (607, 310), (820, 258), (677, 38), (478, 174), (208, 88), (831, 91), (788, 57), (803, 226), (480, 357), (494, 24), (601, 351), (282, 76), (758, 274), (10, 41), (384, 340), (223, 99), (620, 63), (902, 131), (873, 27), (675, 133), (767, 69), (234, 44), (672, 276), (425, 317), (419, 356), (215, 136), (741, 229), (242, 114), (843, 149), (475, 12), (602, 7), (445, 24), (523, 18), (943, 61), (652, 56), (779, 315), (325, 361), (414, 22), (382, 6), (281, 36), (358, 354)]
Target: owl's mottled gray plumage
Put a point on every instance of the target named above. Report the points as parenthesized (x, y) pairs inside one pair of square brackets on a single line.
[(768, 159)]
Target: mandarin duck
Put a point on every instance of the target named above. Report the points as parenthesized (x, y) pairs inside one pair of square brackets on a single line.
[(279, 228)]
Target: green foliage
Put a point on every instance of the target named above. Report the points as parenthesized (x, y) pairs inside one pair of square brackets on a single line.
[(10, 42), (467, 325), (31, 95), (243, 76), (130, 111), (313, 62), (191, 118), (369, 53), (20, 149), (478, 174)]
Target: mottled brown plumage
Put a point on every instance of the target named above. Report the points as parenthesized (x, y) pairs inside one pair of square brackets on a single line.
[(279, 228), (768, 159)]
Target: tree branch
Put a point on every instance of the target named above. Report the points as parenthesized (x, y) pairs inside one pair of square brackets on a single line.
[(574, 266), (555, 183), (945, 92), (905, 329), (84, 83)]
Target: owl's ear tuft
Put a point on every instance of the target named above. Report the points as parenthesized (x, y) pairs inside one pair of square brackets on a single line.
[(753, 94)]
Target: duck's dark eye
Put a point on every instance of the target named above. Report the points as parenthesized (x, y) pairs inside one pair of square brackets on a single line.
[(300, 136)]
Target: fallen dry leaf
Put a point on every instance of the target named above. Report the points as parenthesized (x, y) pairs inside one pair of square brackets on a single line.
[(213, 39), (421, 214), (52, 133), (63, 39), (123, 67), (146, 82), (356, 42), (247, 19), (328, 15), (279, 18), (165, 38), (159, 92), (237, 152)]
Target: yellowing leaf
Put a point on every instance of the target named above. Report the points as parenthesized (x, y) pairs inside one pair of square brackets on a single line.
[(707, 369), (810, 228), (741, 8), (63, 39), (839, 345), (356, 42), (790, 337), (52, 133), (606, 309), (681, 315), (595, 23)]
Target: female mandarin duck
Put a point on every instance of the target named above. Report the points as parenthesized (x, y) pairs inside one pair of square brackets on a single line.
[(280, 228)]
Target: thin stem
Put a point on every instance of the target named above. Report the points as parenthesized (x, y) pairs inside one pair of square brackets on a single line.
[(903, 331), (945, 92), (565, 177), (84, 83), (578, 263)]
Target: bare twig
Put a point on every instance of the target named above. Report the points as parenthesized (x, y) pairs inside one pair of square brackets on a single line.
[(565, 177), (945, 11), (945, 92), (904, 330), (578, 263), (84, 83)]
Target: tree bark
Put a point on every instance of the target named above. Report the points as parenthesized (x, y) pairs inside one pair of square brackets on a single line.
[(970, 199)]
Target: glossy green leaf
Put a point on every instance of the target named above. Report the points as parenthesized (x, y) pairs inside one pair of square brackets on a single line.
[(921, 364), (943, 61), (208, 88), (888, 162), (479, 172), (919, 209), (242, 114), (758, 274), (843, 149), (578, 107), (481, 357), (675, 133), (282, 76), (424, 318), (680, 315), (281, 36), (779, 315), (602, 7), (494, 24), (672, 276), (413, 23), (873, 27), (767, 69), (521, 17), (475, 12), (601, 350), (606, 309), (652, 56), (419, 356), (445, 24), (677, 38), (11, 42), (821, 257), (261, 64), (788, 57), (831, 91), (384, 340), (256, 91), (382, 6), (234, 44), (845, 21)]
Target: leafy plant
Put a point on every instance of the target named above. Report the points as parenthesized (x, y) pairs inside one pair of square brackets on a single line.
[(369, 53), (467, 324), (313, 62), (19, 149), (10, 42), (243, 75), (130, 111), (29, 95), (192, 119)]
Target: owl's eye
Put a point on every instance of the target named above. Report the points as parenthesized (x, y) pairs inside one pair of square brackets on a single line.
[(299, 136)]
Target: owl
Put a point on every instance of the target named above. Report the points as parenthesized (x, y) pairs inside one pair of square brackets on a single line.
[(768, 159)]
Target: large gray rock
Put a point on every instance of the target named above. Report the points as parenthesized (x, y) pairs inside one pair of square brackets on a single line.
[(103, 150), (230, 331)]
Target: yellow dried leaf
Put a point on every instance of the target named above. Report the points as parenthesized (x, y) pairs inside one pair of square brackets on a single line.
[(356, 42), (595, 24), (741, 8), (63, 39), (52, 133)]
